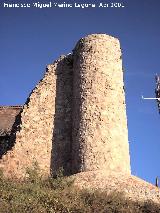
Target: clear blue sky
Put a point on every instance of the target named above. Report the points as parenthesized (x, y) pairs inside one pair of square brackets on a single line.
[(30, 38)]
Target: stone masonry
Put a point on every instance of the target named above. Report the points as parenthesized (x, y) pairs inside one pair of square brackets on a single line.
[(100, 137), (75, 118)]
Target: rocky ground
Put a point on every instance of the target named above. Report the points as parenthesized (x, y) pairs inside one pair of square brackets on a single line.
[(133, 187)]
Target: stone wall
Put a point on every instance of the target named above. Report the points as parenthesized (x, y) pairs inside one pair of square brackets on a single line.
[(33, 141), (75, 118), (100, 135), (41, 119)]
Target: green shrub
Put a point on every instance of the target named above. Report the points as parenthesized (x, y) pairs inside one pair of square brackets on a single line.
[(33, 173)]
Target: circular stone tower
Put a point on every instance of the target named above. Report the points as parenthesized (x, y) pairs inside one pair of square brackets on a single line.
[(100, 135)]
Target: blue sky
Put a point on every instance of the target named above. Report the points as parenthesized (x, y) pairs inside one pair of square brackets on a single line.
[(31, 38)]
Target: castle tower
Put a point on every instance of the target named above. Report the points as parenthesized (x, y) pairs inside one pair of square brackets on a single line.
[(75, 117), (99, 129)]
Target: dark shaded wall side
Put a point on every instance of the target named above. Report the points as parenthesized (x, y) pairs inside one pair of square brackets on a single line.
[(62, 133)]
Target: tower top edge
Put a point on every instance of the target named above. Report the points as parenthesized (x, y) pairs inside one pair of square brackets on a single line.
[(98, 36), (97, 39)]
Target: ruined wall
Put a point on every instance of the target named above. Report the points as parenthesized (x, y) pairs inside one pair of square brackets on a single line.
[(41, 118), (33, 139), (100, 137)]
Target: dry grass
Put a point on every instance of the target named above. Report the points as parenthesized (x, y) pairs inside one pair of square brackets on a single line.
[(35, 195)]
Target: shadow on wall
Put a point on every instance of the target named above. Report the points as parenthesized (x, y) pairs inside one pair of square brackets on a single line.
[(7, 142), (4, 144), (62, 133)]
